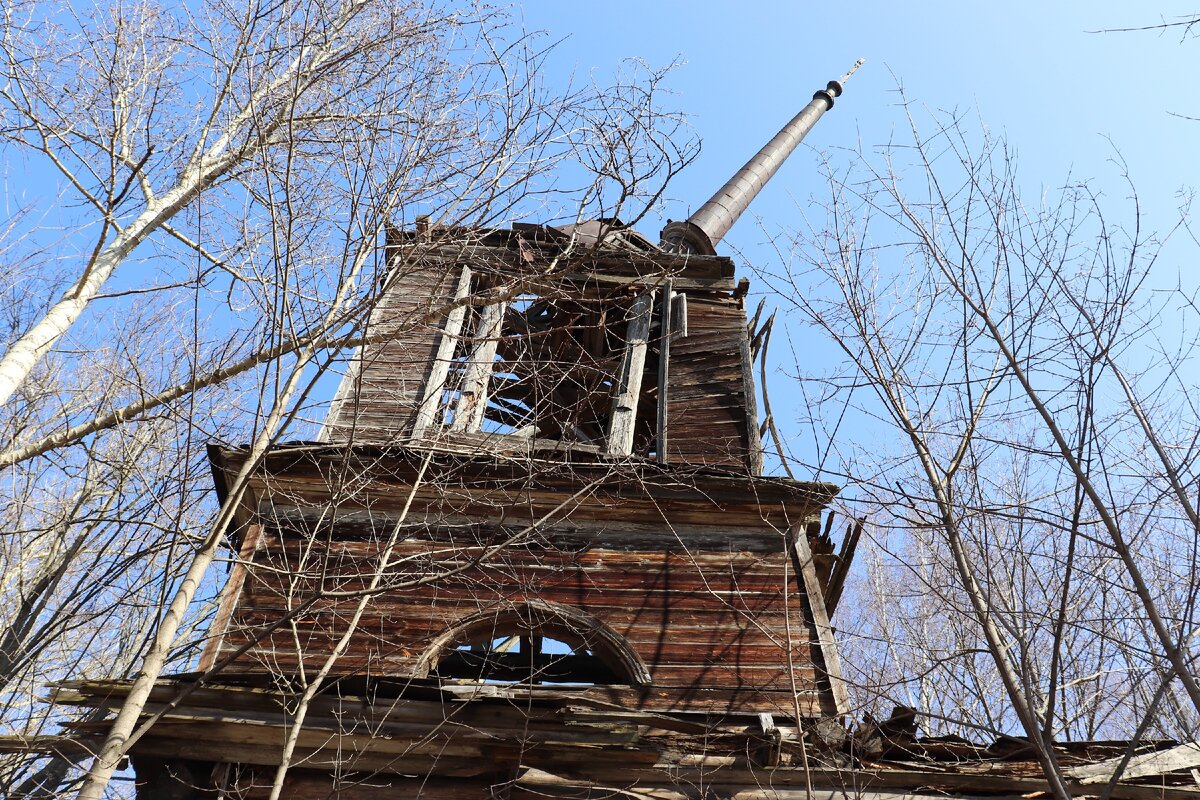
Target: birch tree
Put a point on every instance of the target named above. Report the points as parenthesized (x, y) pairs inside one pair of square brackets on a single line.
[(197, 256)]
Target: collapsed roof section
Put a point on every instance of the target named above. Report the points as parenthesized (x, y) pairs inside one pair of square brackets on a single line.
[(584, 338), (579, 337)]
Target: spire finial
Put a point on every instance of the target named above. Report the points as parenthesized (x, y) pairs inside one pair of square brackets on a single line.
[(703, 229), (852, 70)]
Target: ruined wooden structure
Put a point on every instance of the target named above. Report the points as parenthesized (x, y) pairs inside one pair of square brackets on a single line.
[(534, 555), (538, 500)]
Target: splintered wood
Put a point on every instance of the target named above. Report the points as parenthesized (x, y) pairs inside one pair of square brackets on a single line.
[(497, 342)]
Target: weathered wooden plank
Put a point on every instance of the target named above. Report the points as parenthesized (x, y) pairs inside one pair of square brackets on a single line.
[(814, 597), (748, 572), (627, 388), (664, 373), (472, 398), (435, 384), (281, 658), (754, 441), (1185, 756)]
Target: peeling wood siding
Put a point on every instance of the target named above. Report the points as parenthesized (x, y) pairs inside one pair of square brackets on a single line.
[(712, 619), (706, 415), (381, 392)]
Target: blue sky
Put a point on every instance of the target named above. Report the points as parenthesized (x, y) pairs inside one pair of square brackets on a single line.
[(1069, 98), (1066, 96)]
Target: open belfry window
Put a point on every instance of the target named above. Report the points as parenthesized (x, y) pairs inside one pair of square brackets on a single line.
[(574, 364)]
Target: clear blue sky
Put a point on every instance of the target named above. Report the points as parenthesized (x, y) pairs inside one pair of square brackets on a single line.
[(1066, 96)]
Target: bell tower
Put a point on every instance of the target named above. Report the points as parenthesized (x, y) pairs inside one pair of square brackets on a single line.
[(534, 543)]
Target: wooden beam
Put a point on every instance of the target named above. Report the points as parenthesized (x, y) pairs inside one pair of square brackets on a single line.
[(435, 384), (664, 374), (1185, 756), (472, 398), (628, 389), (820, 617)]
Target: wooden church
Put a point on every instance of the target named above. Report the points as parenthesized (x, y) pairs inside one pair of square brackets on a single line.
[(534, 543), (534, 553)]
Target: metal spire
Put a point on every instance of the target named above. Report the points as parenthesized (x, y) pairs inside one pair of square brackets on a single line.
[(703, 229)]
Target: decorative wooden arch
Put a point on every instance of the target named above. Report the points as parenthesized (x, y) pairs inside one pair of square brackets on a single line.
[(567, 624)]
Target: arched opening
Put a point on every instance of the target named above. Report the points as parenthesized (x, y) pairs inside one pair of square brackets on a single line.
[(534, 643)]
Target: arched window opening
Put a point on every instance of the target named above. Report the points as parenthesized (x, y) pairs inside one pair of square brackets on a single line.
[(525, 658), (534, 643)]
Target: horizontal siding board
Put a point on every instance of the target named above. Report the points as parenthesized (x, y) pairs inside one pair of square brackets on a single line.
[(706, 416), (715, 619)]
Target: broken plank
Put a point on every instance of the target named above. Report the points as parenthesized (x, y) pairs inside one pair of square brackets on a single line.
[(1185, 756)]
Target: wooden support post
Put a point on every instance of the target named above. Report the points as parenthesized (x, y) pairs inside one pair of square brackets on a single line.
[(472, 397), (628, 387), (815, 597), (664, 366), (753, 439), (435, 384)]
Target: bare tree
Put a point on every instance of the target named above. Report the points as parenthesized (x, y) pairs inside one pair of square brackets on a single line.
[(225, 176), (1030, 442)]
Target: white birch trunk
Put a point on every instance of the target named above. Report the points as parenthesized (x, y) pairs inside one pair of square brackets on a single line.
[(205, 167)]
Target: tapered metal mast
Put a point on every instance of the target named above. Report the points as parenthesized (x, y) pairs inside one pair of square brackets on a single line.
[(703, 229)]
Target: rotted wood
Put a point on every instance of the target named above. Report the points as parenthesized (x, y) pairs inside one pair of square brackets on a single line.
[(842, 564), (752, 325), (1185, 756), (628, 386), (473, 395), (815, 597), (664, 372), (707, 415), (753, 441), (759, 336), (431, 399)]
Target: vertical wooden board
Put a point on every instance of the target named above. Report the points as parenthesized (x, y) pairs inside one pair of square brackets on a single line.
[(814, 598), (707, 413), (628, 386), (382, 390), (428, 417), (753, 439), (473, 397)]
